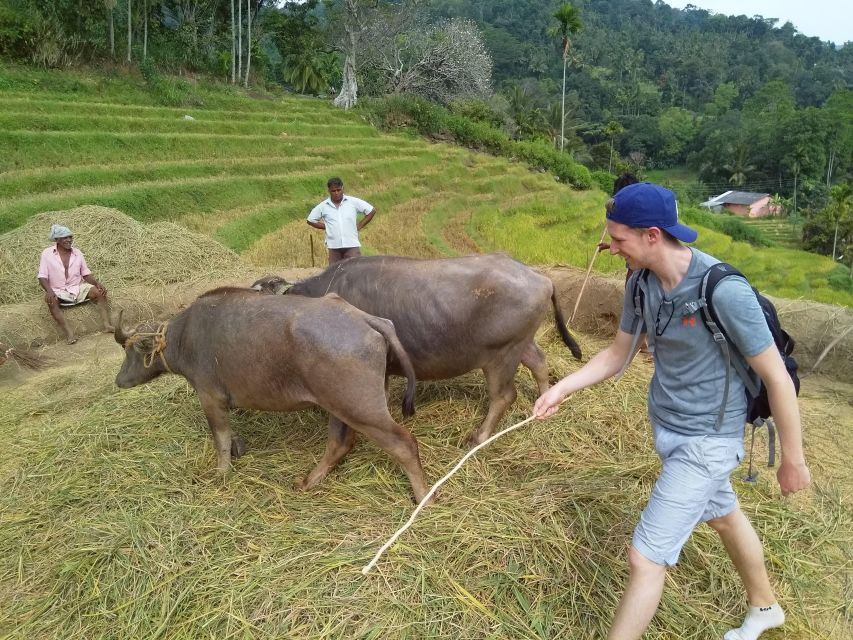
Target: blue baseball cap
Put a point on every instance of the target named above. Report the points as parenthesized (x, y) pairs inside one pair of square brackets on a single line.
[(645, 205)]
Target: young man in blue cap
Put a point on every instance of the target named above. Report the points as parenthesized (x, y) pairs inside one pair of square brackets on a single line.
[(698, 452)]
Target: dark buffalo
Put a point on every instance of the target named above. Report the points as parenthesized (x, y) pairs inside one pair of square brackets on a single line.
[(239, 349), (452, 315)]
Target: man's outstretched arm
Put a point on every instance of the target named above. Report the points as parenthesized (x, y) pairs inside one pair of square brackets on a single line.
[(605, 364)]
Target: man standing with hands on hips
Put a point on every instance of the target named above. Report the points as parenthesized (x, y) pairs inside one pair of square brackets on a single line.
[(698, 445), (338, 217)]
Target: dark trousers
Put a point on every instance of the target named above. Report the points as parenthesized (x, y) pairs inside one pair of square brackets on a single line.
[(336, 255)]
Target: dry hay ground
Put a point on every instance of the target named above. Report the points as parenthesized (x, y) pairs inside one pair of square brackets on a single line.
[(113, 522)]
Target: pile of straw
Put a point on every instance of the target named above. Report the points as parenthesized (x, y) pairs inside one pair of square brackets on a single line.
[(114, 523), (120, 251), (150, 270)]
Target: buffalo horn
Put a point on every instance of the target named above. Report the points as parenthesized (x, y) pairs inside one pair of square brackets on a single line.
[(119, 334)]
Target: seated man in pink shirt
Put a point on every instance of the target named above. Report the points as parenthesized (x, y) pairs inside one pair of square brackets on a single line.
[(67, 281)]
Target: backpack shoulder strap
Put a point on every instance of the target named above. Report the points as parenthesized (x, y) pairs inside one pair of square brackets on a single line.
[(715, 274), (710, 280), (638, 297)]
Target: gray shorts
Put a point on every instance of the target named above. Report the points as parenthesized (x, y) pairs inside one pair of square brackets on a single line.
[(336, 255), (693, 487)]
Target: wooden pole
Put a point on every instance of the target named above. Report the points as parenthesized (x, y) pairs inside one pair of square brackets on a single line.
[(589, 269), (311, 238)]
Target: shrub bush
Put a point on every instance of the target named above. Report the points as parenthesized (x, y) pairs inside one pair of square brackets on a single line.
[(170, 92), (478, 111), (542, 156), (732, 226), (395, 111), (604, 180), (478, 135), (435, 121), (840, 278)]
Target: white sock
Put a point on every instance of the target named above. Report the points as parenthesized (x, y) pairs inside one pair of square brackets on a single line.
[(757, 621)]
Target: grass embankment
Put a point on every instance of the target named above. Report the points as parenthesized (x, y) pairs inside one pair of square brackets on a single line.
[(113, 522), (246, 171), (780, 231)]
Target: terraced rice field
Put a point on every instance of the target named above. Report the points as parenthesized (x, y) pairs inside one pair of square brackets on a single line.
[(248, 175), (247, 172), (779, 231)]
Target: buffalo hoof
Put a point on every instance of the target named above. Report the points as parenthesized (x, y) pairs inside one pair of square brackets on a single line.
[(432, 500), (473, 440), (238, 446)]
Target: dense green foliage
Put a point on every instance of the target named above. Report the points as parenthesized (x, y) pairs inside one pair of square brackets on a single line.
[(743, 101)]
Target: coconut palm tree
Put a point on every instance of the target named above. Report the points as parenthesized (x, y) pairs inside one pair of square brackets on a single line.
[(309, 70), (612, 130), (569, 23), (739, 167)]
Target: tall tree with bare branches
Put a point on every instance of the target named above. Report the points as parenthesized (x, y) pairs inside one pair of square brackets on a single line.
[(248, 40), (348, 94), (129, 29)]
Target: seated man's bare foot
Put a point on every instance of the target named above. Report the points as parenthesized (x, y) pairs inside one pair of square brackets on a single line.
[(108, 328)]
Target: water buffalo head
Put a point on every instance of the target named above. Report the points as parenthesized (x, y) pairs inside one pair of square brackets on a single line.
[(272, 284), (142, 346)]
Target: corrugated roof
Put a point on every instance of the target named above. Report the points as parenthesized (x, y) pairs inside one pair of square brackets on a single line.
[(738, 197)]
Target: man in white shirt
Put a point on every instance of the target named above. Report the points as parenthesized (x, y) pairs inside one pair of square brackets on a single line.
[(338, 217)]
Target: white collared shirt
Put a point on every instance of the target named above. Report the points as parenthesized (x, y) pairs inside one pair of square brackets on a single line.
[(341, 221)]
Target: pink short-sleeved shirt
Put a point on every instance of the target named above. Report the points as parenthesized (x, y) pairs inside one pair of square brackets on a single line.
[(51, 267)]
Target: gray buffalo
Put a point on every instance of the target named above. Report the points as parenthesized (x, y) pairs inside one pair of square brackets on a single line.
[(239, 349), (452, 315)]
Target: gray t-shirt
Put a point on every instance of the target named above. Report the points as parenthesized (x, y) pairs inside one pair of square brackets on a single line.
[(690, 372)]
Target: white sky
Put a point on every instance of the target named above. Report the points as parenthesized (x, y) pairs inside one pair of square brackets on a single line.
[(827, 19)]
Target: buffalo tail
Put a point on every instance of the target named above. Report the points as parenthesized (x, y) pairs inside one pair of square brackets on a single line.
[(386, 328), (568, 340)]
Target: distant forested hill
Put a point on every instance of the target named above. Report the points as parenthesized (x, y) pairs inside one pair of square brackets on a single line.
[(636, 57)]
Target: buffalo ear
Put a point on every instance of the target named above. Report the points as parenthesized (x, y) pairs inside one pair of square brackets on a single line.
[(282, 286), (145, 345)]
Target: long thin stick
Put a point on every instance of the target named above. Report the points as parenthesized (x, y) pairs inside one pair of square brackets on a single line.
[(838, 339), (589, 269), (366, 568)]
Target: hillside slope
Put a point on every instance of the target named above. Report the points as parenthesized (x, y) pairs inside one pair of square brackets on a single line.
[(246, 171)]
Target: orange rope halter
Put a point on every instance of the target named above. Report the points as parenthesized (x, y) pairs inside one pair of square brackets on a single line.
[(159, 338)]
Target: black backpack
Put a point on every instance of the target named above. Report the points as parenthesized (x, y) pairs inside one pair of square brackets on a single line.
[(758, 404)]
